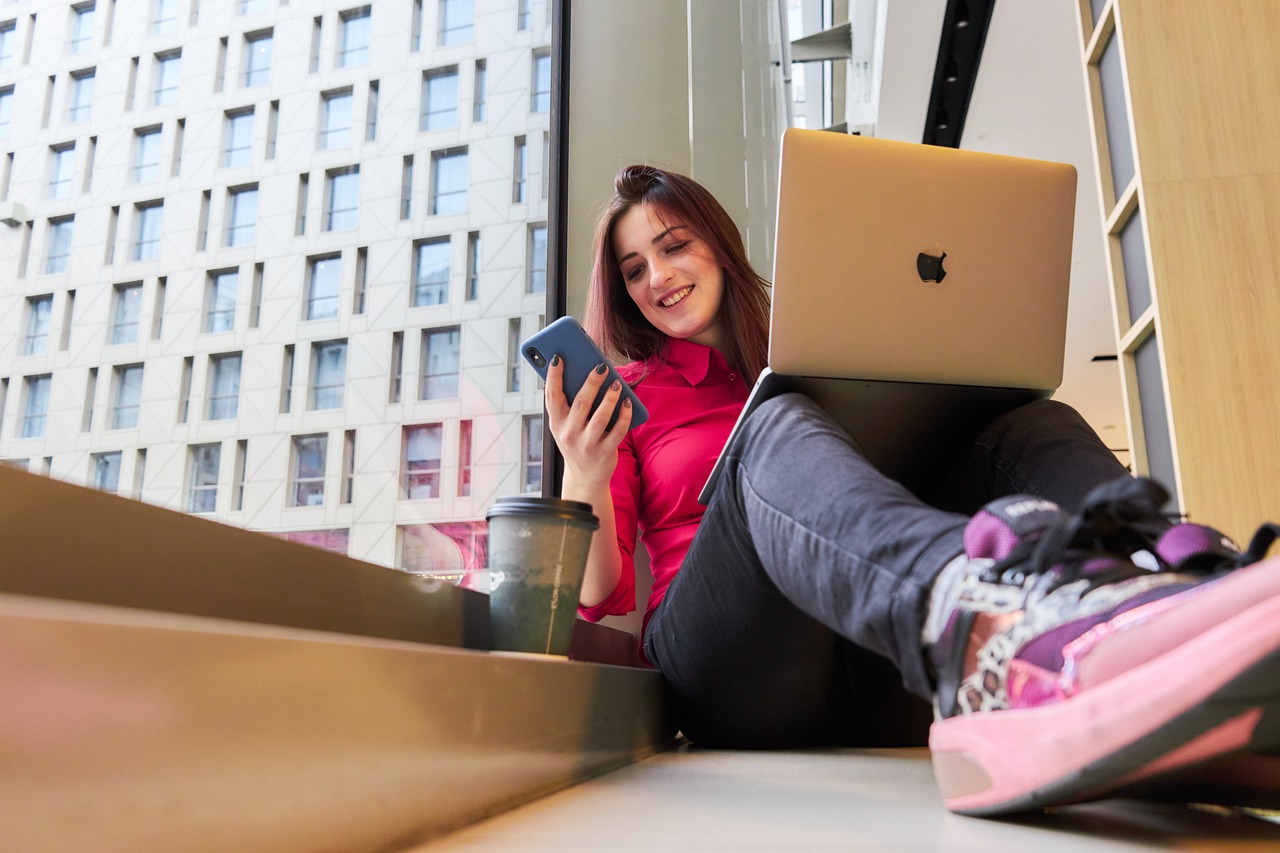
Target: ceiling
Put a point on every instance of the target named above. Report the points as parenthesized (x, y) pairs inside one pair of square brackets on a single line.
[(1029, 101)]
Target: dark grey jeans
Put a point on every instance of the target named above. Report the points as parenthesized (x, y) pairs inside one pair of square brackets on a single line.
[(795, 619)]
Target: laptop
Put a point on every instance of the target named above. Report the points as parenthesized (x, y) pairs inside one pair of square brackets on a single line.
[(918, 292)]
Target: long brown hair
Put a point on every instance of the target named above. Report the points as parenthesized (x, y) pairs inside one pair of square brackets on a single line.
[(614, 320)]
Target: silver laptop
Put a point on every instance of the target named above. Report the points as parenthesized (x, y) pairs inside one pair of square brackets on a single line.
[(918, 292)]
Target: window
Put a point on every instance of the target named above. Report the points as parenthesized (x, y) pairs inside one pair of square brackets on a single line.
[(237, 144), (220, 301), (243, 215), (342, 201), (81, 104), (37, 408), (6, 110), (286, 380), (441, 359), (68, 315), (146, 155), (313, 64), (300, 217), (540, 96), (58, 258), (224, 387), (406, 187), (440, 99), (478, 91), (128, 398), (531, 455), (61, 164), (328, 374), (324, 281), (519, 171), (178, 137), (81, 28), (139, 472), (255, 295), (473, 265), (513, 355), (449, 181), (202, 221), (397, 367), (106, 471), (415, 27), (456, 22), (421, 479), (8, 38), (353, 42), (431, 272), (251, 7), (91, 155), (39, 316), (237, 475), (362, 280), (273, 129), (335, 119), (166, 79), (157, 312), (464, 459), (146, 232), (202, 493), (184, 389), (371, 113), (90, 393), (306, 486), (257, 59), (522, 14), (164, 18), (124, 326), (537, 258), (348, 467)]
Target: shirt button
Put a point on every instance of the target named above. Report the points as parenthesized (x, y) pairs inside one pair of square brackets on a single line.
[(732, 376)]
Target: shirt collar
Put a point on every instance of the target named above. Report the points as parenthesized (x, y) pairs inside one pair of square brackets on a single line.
[(692, 361)]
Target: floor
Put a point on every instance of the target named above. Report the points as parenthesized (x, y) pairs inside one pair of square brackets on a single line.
[(824, 801)]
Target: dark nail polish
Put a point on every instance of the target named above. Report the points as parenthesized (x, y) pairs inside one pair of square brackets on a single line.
[(555, 361), (602, 369), (617, 384), (626, 404)]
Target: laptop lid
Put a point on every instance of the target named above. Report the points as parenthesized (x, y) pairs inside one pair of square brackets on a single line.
[(915, 263)]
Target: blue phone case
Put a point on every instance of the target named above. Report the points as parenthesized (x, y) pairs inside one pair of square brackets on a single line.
[(568, 340)]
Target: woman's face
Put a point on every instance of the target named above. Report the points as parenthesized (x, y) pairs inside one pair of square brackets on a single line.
[(671, 275)]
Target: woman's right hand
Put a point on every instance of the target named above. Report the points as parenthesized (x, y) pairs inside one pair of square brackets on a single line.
[(589, 447)]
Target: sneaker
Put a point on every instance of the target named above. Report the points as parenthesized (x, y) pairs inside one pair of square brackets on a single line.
[(1066, 671)]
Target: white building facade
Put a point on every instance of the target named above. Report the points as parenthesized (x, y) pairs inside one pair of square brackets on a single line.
[(269, 261)]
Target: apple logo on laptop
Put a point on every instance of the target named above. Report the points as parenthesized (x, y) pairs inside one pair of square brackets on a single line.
[(930, 266)]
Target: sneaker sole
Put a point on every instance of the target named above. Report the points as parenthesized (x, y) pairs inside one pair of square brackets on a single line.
[(1217, 694)]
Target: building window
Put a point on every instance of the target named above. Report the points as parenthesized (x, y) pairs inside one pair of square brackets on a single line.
[(286, 380), (406, 187), (224, 388), (523, 14), (457, 22), (440, 99), (431, 272), (106, 471), (421, 479), (164, 18), (441, 359), (146, 232), (335, 119), (166, 79), (520, 171), (342, 201), (39, 318), (371, 113), (415, 28), (251, 7), (8, 38), (81, 104), (464, 458), (304, 192), (257, 58), (124, 326), (531, 454), (157, 313), (353, 42), (6, 110), (90, 393), (238, 475), (540, 96), (397, 367), (324, 280), (328, 374), (202, 494), (58, 258), (306, 486), (128, 400), (473, 266), (449, 181), (479, 91), (146, 155), (237, 143), (220, 301), (184, 389), (273, 129), (243, 218), (61, 164), (348, 467), (537, 258), (513, 355), (37, 408), (362, 280), (81, 28)]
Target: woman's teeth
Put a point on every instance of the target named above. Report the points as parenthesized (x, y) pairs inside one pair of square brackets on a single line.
[(676, 297)]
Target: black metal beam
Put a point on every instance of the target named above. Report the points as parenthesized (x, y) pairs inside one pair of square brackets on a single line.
[(964, 33)]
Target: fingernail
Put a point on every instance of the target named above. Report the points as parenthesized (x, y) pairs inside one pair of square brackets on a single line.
[(555, 361), (602, 369), (617, 383), (626, 404)]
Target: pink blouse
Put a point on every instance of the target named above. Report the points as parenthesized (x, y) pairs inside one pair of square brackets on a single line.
[(693, 400)]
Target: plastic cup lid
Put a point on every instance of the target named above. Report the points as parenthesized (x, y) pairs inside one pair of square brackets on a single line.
[(532, 505)]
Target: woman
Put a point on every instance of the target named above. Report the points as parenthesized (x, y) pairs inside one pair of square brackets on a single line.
[(814, 601)]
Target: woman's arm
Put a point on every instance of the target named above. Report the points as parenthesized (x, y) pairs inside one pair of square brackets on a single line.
[(590, 455)]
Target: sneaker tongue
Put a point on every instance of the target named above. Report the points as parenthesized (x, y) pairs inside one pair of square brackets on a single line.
[(1188, 541), (1002, 524)]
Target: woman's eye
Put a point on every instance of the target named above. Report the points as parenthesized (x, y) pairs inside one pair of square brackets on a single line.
[(633, 273), (678, 247)]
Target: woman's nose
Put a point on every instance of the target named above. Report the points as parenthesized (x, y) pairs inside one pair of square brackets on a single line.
[(659, 274)]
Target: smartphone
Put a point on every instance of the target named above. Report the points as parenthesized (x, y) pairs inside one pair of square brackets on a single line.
[(580, 355)]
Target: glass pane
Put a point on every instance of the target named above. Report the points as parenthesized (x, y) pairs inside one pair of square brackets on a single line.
[(1116, 115), (1155, 420), (1133, 257)]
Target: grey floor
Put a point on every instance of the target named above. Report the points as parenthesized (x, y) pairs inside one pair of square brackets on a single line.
[(825, 801)]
